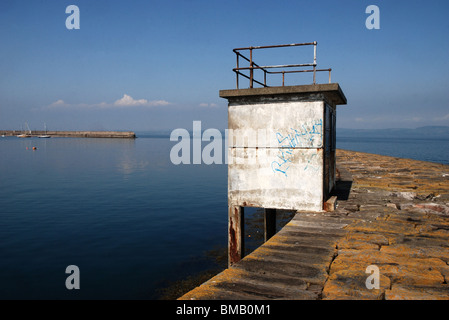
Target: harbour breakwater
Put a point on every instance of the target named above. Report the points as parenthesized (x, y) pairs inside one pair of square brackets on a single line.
[(392, 216), (73, 134)]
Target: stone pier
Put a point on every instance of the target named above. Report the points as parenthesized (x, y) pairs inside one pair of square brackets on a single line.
[(391, 213), (74, 134)]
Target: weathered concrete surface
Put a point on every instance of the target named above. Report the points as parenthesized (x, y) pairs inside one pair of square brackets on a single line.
[(276, 154), (391, 212), (281, 152), (259, 185), (331, 92)]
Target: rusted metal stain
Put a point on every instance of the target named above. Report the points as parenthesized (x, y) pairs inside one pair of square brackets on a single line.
[(234, 238)]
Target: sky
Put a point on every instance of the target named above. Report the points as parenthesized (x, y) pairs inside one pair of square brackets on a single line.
[(159, 65)]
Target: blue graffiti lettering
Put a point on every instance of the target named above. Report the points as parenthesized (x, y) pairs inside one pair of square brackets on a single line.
[(294, 138)]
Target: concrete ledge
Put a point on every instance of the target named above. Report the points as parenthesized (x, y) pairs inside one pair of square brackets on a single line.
[(331, 204), (331, 91)]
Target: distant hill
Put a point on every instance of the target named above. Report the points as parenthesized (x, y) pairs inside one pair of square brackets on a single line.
[(434, 132), (428, 132), (153, 134)]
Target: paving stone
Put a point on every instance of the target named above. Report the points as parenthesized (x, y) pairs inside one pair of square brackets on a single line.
[(351, 285), (400, 292)]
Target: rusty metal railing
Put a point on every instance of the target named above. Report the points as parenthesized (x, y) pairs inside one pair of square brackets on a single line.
[(291, 68)]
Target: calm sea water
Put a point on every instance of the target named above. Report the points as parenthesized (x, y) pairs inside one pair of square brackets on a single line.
[(120, 211), (433, 150), (117, 209)]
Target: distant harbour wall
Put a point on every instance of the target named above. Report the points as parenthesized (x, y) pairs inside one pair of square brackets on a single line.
[(74, 134)]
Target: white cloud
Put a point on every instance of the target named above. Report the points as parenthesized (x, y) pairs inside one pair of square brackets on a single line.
[(57, 104), (125, 101), (128, 101), (97, 105), (208, 105)]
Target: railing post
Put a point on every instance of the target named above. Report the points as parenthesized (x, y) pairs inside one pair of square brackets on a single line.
[(314, 74), (237, 73), (314, 62), (251, 67)]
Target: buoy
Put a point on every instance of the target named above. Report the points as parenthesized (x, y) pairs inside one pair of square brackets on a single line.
[(34, 148)]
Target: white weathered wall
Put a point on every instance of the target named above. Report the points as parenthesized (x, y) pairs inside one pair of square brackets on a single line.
[(302, 120), (275, 155)]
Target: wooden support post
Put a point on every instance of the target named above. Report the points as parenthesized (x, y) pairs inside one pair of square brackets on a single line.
[(269, 223), (236, 247)]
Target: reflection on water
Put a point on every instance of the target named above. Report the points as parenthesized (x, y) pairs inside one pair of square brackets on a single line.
[(118, 209)]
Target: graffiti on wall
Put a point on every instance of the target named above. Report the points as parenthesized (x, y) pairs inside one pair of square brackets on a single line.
[(308, 135)]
